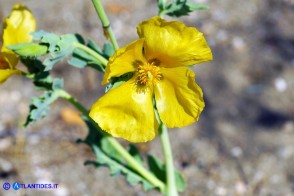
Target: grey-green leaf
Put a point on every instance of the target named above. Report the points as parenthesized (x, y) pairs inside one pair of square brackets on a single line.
[(77, 62), (40, 106), (180, 8), (108, 49), (116, 168), (107, 156)]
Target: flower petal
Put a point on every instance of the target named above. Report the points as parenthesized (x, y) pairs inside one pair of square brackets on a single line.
[(18, 26), (6, 73), (126, 112), (123, 61), (173, 43), (179, 99), (17, 29)]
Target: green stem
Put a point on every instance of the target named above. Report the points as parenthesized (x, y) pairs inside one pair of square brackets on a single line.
[(136, 166), (162, 12), (121, 150), (96, 55), (170, 171), (105, 23), (65, 95)]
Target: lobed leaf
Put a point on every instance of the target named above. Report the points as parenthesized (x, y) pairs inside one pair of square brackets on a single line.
[(117, 168), (179, 8), (107, 156), (40, 106)]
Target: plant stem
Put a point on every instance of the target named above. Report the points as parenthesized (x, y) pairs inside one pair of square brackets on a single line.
[(105, 23), (171, 189), (99, 57), (162, 11), (136, 166), (119, 148)]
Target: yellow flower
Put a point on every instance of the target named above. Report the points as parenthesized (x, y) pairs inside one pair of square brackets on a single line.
[(158, 61), (17, 29)]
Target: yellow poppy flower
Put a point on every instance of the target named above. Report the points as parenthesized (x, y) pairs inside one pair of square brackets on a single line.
[(17, 29), (158, 61)]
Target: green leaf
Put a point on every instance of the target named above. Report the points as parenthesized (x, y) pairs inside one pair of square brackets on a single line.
[(77, 62), (52, 40), (37, 35), (115, 82), (159, 170), (59, 47), (40, 106), (156, 167), (108, 49), (54, 58), (91, 44), (57, 84), (41, 79), (133, 150), (116, 168), (108, 149), (106, 156), (160, 5), (80, 59), (181, 8), (29, 49), (180, 182), (64, 46), (83, 55)]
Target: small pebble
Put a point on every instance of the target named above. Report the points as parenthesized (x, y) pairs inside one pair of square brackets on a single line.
[(236, 151), (280, 84)]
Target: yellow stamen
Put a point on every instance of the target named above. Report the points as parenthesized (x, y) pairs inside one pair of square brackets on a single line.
[(149, 73)]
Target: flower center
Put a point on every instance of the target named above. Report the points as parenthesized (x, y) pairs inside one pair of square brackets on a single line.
[(149, 73)]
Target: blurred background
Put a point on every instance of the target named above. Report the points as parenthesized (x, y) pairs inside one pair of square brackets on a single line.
[(243, 143)]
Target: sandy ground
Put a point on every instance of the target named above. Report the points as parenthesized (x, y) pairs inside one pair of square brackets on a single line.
[(243, 143)]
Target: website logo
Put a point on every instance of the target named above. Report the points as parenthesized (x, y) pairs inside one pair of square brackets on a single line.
[(6, 186), (16, 186)]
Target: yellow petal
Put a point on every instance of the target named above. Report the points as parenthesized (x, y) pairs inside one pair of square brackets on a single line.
[(124, 60), (173, 43), (6, 73), (126, 112), (17, 29), (179, 99)]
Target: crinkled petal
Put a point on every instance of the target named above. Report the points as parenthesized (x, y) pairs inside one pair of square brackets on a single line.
[(124, 60), (179, 100), (126, 112), (6, 73), (18, 26), (17, 29), (173, 43)]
